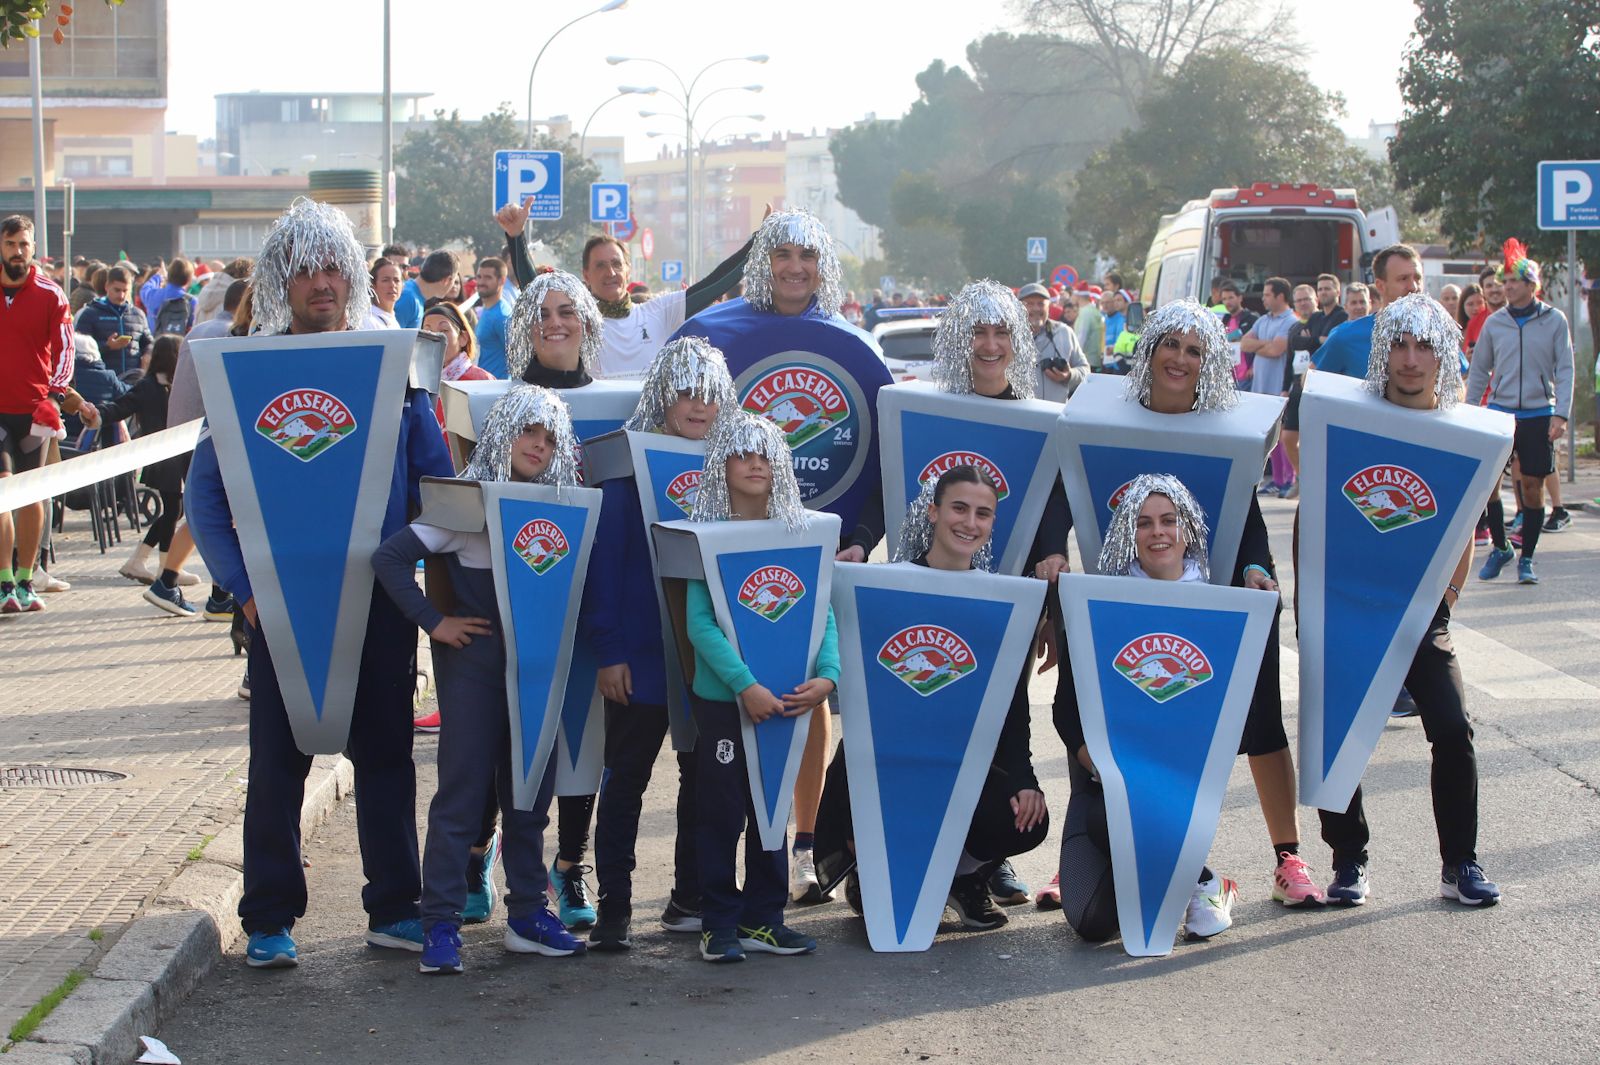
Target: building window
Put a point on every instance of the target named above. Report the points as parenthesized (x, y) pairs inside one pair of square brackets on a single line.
[(107, 43)]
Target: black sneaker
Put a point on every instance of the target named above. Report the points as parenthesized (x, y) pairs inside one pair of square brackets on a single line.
[(1006, 886), (169, 599), (970, 898), (721, 945), (678, 917), (1467, 885), (611, 927), (1558, 520)]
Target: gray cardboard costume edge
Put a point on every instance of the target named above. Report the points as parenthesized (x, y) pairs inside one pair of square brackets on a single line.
[(1027, 598), (1462, 429), (526, 787), (1075, 590), (712, 538), (1100, 413), (327, 735), (922, 397)]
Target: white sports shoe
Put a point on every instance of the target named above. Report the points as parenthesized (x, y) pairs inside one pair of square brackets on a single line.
[(1210, 909), (803, 883)]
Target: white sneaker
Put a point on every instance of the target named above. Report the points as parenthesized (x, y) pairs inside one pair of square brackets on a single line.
[(137, 568), (803, 884), (49, 582), (1210, 908), (187, 579)]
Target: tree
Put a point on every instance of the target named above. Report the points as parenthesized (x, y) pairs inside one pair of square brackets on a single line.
[(442, 184), (21, 19), (1490, 91), (1134, 42), (1223, 118)]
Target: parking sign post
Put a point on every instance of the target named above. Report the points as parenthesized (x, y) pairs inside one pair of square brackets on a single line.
[(1569, 199), (535, 176)]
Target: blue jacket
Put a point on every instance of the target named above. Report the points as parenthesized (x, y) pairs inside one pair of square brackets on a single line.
[(620, 618), (102, 320), (421, 452), (95, 382), (408, 308)]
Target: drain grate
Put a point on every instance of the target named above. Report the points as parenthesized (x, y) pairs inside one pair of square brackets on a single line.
[(46, 776)]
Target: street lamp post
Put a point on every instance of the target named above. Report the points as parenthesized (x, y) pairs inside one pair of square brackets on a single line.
[(705, 142), (609, 5), (622, 90), (687, 102)]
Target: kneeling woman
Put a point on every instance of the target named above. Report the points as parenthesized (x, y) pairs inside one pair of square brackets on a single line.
[(527, 436), (1158, 533), (948, 528)]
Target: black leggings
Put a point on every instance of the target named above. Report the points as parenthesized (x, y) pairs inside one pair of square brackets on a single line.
[(161, 530), (1434, 681), (572, 826), (1088, 890)]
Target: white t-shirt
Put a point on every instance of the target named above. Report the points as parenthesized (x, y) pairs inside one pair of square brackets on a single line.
[(471, 548), (631, 343)]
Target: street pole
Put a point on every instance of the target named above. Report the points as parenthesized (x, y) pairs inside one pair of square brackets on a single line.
[(69, 223), (387, 224), (689, 266), (1572, 323), (41, 222)]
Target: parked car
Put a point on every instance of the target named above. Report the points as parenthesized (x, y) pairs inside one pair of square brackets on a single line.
[(907, 341)]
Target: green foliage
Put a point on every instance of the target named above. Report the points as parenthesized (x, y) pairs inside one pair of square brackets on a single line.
[(45, 1006), (1225, 117), (980, 161), (442, 184), (22, 19)]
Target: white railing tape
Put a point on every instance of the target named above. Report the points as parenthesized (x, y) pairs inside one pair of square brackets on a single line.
[(95, 466)]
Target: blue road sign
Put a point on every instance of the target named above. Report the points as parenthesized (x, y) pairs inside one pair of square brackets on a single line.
[(1569, 195), (608, 201), (672, 271), (520, 174), (1038, 249)]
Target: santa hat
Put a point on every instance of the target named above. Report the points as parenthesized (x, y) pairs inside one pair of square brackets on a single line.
[(47, 422), (1517, 264)]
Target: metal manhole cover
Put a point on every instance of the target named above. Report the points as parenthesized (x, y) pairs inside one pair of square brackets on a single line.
[(45, 776)]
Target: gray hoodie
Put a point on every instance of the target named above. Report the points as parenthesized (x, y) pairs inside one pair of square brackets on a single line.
[(1529, 367)]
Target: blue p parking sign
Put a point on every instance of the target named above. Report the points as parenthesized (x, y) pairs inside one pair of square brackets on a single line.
[(672, 271), (520, 174), (1569, 195)]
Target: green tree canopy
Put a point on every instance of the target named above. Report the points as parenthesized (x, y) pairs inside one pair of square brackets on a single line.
[(442, 184)]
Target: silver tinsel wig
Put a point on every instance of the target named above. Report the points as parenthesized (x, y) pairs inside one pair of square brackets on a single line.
[(983, 303), (522, 406), (1427, 320), (916, 533), (688, 364), (308, 236), (528, 315), (1214, 389), (1121, 548), (802, 228), (738, 432)]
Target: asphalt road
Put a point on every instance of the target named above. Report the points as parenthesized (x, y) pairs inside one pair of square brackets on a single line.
[(1408, 978)]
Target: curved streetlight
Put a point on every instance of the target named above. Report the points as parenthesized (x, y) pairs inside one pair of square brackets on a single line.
[(705, 141), (688, 103), (609, 5), (622, 90)]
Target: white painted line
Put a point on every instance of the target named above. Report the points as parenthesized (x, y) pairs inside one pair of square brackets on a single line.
[(1505, 673)]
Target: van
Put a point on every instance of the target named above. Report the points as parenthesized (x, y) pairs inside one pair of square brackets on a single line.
[(1264, 230)]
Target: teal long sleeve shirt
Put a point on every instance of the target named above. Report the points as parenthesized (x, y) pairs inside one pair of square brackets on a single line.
[(719, 672)]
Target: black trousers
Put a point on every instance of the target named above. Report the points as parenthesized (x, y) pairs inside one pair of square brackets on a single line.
[(634, 735), (1088, 889), (723, 809), (1434, 681)]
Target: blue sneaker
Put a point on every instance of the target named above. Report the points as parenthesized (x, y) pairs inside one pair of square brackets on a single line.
[(1494, 564), (1404, 705), (1525, 574), (775, 939), (480, 903), (721, 945), (401, 935), (441, 950), (571, 895), (542, 933), (1467, 885), (1350, 886), (271, 950)]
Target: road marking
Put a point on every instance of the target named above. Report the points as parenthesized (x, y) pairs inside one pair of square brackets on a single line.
[(1499, 671)]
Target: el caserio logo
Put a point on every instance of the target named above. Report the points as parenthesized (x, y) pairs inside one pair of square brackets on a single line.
[(770, 591), (802, 401), (1163, 666), (306, 422), (927, 658), (541, 545), (951, 459), (684, 490), (1391, 497)]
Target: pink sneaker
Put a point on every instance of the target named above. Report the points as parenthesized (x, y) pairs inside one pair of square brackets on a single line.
[(1291, 884), (1049, 896), (426, 723)]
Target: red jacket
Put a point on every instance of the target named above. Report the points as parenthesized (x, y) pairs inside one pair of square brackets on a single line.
[(35, 343)]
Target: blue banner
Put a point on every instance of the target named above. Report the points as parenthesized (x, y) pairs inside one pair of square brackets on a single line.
[(1164, 672), (306, 429), (817, 378), (1112, 469)]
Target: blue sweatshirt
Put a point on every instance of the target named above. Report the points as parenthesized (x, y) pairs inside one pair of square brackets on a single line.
[(719, 672), (421, 453), (620, 618)]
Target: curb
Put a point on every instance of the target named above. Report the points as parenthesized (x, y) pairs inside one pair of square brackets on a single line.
[(162, 955)]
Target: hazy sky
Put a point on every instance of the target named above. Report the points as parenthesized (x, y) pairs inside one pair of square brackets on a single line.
[(828, 67)]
